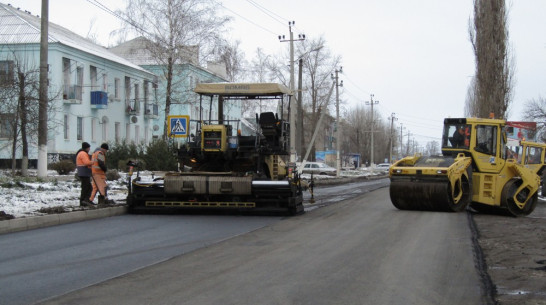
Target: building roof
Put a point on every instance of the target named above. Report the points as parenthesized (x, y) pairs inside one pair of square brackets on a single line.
[(138, 50), (20, 27)]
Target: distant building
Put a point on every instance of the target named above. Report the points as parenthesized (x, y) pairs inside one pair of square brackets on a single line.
[(95, 95), (186, 76)]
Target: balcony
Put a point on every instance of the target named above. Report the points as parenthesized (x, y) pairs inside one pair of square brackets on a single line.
[(72, 94), (132, 107), (99, 100), (151, 111)]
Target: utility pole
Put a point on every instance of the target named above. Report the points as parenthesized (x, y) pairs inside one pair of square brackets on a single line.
[(299, 128), (338, 125), (408, 150), (393, 118), (300, 132), (401, 142), (42, 113), (292, 110), (372, 102)]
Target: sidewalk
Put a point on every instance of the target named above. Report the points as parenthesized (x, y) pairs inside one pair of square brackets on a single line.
[(35, 222)]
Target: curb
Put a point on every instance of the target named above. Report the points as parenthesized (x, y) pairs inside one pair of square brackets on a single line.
[(35, 222), (343, 180)]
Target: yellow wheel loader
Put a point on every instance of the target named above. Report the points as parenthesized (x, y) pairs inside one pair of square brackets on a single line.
[(474, 169), (533, 156)]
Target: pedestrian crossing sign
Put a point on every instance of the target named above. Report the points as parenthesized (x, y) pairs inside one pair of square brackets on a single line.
[(178, 125)]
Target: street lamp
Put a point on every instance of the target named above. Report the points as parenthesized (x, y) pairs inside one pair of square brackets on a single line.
[(299, 128)]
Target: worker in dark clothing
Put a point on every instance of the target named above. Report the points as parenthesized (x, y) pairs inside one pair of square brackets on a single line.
[(83, 169), (458, 139)]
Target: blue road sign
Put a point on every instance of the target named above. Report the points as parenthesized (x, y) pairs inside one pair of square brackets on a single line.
[(178, 125)]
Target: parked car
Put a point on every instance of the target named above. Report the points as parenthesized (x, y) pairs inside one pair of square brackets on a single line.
[(383, 167), (318, 168)]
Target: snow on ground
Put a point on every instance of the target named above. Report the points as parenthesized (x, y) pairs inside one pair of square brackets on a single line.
[(24, 197)]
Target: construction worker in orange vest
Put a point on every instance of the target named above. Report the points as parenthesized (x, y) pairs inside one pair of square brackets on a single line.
[(83, 167), (98, 170)]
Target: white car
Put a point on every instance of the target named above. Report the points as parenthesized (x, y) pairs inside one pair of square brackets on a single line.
[(318, 168), (383, 166)]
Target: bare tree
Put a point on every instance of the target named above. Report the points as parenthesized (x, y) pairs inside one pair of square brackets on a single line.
[(20, 97), (318, 65), (233, 57), (432, 148), (470, 106), (357, 123), (358, 131), (170, 26), (495, 64), (258, 71), (535, 110)]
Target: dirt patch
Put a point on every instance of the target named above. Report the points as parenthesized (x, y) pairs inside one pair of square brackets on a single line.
[(514, 250), (53, 210), (5, 216)]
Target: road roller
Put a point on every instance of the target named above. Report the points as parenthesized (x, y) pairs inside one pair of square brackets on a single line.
[(475, 169)]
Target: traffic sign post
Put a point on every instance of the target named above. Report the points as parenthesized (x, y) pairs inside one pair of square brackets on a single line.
[(178, 125)]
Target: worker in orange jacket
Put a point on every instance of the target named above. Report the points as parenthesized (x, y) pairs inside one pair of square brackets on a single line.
[(98, 170), (83, 169)]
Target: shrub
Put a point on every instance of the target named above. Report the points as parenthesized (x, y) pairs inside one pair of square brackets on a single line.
[(112, 174), (63, 167), (160, 156), (122, 151)]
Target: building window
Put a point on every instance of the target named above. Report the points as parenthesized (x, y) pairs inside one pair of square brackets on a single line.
[(66, 78), (66, 127), (93, 77), (79, 83), (6, 127), (72, 90), (146, 91), (105, 82), (117, 132), (127, 89), (6, 73), (94, 129), (105, 130), (137, 134), (128, 132), (79, 127), (146, 135), (137, 99), (116, 88)]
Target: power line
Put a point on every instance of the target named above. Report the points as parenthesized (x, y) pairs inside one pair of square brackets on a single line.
[(249, 21), (269, 12), (354, 84), (113, 13), (106, 9)]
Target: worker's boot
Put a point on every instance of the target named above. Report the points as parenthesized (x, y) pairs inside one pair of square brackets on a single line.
[(102, 201)]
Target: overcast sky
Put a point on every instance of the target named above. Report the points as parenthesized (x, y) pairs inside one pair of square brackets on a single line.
[(414, 56)]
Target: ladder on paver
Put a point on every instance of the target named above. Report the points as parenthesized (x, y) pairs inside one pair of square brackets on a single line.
[(275, 172)]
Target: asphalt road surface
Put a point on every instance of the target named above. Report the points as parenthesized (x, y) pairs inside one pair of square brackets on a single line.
[(358, 251), (39, 264)]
